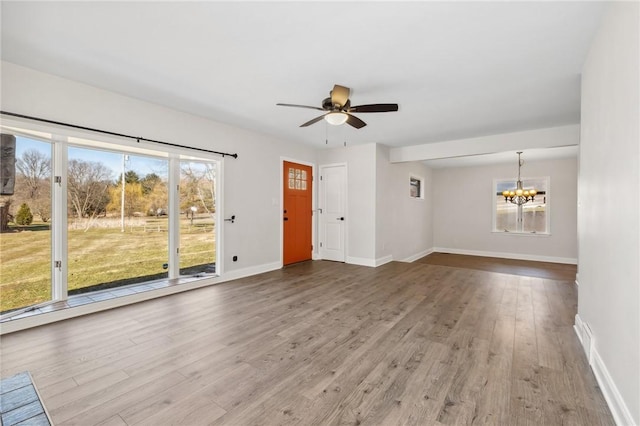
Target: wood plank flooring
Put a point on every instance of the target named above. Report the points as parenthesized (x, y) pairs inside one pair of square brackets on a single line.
[(323, 343), (553, 271)]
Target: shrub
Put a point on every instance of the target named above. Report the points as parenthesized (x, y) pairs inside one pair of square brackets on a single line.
[(24, 215)]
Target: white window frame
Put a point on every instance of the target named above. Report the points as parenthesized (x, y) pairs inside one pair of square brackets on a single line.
[(547, 193), (61, 139)]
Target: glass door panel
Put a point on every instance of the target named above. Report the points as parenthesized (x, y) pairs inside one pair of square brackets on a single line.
[(118, 224), (197, 218), (25, 223)]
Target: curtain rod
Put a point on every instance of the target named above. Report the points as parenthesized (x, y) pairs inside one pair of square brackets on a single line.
[(138, 139)]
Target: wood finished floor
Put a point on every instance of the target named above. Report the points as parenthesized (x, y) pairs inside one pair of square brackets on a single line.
[(553, 271), (323, 343)]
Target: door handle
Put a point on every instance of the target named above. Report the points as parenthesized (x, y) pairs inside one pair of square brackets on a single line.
[(286, 218), (340, 218)]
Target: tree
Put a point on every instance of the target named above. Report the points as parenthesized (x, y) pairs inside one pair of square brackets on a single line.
[(35, 167), (197, 186), (24, 215), (34, 181), (149, 182), (130, 176), (156, 194), (87, 184), (133, 198)]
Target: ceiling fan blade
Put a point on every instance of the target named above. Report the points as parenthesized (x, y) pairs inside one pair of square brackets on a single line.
[(374, 108), (354, 121), (300, 106), (310, 122), (340, 95)]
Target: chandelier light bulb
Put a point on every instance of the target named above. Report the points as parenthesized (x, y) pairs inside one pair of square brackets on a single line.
[(519, 195)]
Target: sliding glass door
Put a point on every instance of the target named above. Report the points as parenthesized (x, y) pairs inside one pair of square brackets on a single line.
[(117, 214)]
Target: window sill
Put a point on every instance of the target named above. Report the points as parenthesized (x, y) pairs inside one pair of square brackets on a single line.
[(522, 234), (98, 300)]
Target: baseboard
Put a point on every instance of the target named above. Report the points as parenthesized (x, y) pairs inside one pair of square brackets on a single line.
[(577, 327), (619, 410), (585, 336), (361, 261), (518, 256), (417, 256), (247, 272), (382, 260), (77, 311)]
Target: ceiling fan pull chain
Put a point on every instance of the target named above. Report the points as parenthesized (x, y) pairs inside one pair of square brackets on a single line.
[(326, 134)]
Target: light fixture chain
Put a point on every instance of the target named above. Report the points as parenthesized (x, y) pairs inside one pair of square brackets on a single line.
[(519, 196)]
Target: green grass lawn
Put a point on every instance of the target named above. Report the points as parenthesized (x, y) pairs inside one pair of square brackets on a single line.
[(97, 256)]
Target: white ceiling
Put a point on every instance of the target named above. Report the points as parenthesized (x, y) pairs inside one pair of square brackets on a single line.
[(457, 69)]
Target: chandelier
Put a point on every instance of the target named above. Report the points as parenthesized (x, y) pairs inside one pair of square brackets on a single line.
[(519, 195)]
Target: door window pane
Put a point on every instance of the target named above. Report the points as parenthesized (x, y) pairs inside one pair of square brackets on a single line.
[(25, 211), (197, 217), (112, 243)]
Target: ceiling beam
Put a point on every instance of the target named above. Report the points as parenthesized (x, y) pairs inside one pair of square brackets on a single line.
[(518, 141)]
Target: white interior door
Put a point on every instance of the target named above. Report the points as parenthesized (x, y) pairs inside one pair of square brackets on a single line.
[(333, 202)]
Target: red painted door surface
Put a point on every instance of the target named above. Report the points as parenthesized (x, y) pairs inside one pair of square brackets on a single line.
[(297, 212)]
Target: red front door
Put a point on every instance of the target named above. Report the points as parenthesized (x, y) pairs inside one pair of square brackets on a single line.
[(297, 212)]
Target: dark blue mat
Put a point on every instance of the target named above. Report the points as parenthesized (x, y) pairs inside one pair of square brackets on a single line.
[(20, 403)]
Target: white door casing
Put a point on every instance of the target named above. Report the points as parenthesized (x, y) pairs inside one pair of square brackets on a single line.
[(333, 202)]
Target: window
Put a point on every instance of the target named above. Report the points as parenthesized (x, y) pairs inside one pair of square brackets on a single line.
[(297, 179), (415, 187), (529, 218), (82, 215), (25, 208)]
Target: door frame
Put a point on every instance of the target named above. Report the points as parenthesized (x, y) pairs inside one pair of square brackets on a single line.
[(346, 206), (314, 217)]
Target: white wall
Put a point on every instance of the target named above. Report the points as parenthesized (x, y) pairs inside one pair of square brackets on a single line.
[(252, 185), (463, 206), (404, 228), (608, 211), (361, 195), (383, 222)]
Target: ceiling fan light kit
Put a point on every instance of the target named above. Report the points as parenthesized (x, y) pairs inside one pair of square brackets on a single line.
[(338, 109), (336, 118)]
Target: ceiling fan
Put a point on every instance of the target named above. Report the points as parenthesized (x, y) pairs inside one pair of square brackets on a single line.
[(338, 109)]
